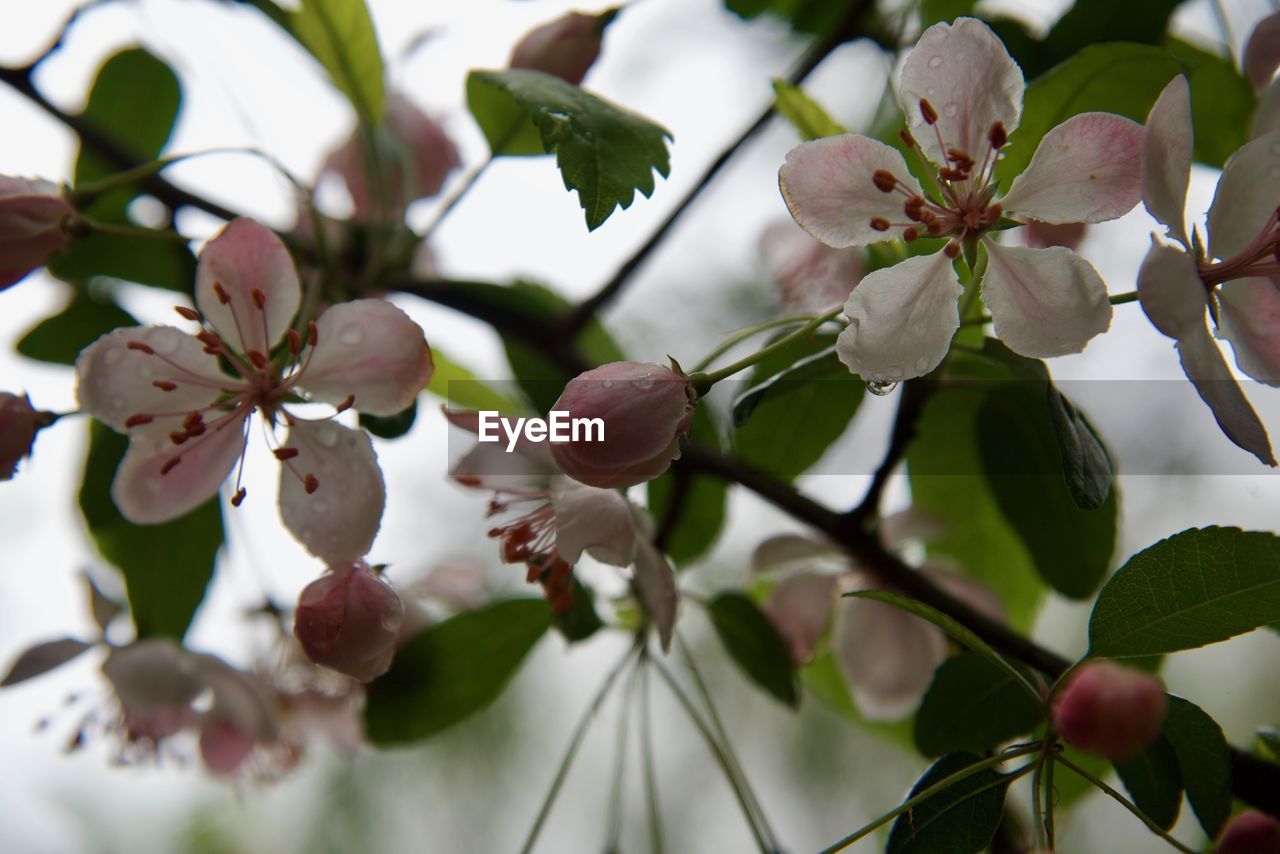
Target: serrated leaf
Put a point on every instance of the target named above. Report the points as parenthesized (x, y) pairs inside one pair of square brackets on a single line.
[(340, 35), (1086, 465), (972, 705), (1154, 782), (702, 501), (755, 645), (961, 819), (43, 657), (807, 116), (390, 426), (60, 338), (452, 670), (166, 567), (1204, 758), (1195, 588), (604, 152)]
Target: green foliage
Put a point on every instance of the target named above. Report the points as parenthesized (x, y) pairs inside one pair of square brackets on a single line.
[(972, 705), (807, 116), (340, 35), (1154, 782), (755, 645), (1204, 759), (166, 567), (390, 426), (604, 153), (60, 337), (933, 11), (581, 620), (458, 386), (702, 501), (1222, 102), (961, 819), (807, 16), (1086, 465), (1088, 22), (822, 678), (1195, 588), (452, 670)]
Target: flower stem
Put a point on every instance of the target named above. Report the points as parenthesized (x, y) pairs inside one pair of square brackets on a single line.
[(702, 382), (1125, 802), (650, 773), (743, 334), (465, 187)]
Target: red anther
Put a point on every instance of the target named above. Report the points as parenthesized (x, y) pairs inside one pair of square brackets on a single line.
[(955, 155), (313, 334), (347, 404), (933, 226), (913, 212), (533, 573), (196, 429), (259, 298), (169, 466), (212, 351), (907, 139), (295, 342), (952, 174), (952, 250), (192, 418), (189, 314), (884, 180), (179, 436), (259, 360), (910, 234), (238, 497), (310, 483), (285, 453), (164, 385), (223, 296), (138, 420), (997, 136), (470, 480), (208, 338), (494, 533), (879, 223), (927, 112), (994, 212), (140, 347)]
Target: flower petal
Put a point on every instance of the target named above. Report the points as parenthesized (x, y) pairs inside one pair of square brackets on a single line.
[(656, 585), (1262, 51), (964, 71), (1250, 320), (1245, 200), (828, 186), (597, 521), (1166, 158), (786, 550), (1170, 290), (1267, 117), (1087, 169), (147, 497), (799, 607), (340, 518), (901, 320), (370, 349), (1044, 302), (245, 257), (1204, 365), (116, 382)]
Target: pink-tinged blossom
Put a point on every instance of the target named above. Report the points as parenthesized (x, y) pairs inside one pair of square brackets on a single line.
[(35, 222), (1110, 710), (962, 95), (645, 409), (566, 47), (810, 276), (1261, 55), (1042, 235), (1232, 280), (188, 421), (19, 422), (1251, 832), (348, 620)]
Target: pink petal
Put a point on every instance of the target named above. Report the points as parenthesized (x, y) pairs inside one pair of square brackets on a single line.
[(1266, 117), (33, 215), (432, 155), (223, 747), (248, 261), (372, 350), (965, 73), (1170, 290), (901, 320), (972, 593), (1262, 51), (1044, 302), (244, 700), (146, 497), (782, 550), (1203, 364), (828, 186), (152, 673), (1166, 158), (1245, 201), (1087, 169), (339, 519), (116, 383), (656, 585), (597, 521), (799, 607), (1250, 320)]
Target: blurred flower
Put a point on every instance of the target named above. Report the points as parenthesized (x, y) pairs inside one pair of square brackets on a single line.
[(349, 620), (852, 190), (35, 222), (566, 47), (1113, 711), (1251, 832), (810, 275), (158, 385), (1262, 52), (19, 422)]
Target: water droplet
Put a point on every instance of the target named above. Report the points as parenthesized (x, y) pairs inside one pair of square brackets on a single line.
[(351, 335), (922, 364), (145, 372), (606, 383), (308, 534), (164, 340), (935, 61), (328, 435), (319, 506), (931, 91), (950, 110), (881, 387), (113, 355), (643, 383), (117, 404)]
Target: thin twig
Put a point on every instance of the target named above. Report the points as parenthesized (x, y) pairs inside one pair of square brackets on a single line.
[(1124, 802)]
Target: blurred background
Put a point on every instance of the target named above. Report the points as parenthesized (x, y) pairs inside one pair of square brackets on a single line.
[(704, 74)]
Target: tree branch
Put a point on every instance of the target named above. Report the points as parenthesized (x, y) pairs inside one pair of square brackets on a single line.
[(915, 394)]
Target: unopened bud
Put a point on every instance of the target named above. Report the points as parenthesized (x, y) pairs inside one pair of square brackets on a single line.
[(1250, 832), (19, 422), (348, 620), (566, 47), (34, 219), (1110, 710)]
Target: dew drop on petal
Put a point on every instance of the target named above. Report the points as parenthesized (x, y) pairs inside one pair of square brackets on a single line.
[(117, 404), (606, 383), (320, 506), (931, 91), (881, 387), (308, 534), (164, 340), (351, 335), (922, 365), (935, 61), (950, 110), (115, 354), (643, 382), (328, 435)]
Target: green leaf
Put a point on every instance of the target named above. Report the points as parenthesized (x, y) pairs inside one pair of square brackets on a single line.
[(452, 670), (459, 387), (1195, 588), (807, 116), (1087, 22), (957, 632), (818, 17), (1222, 102), (153, 262), (581, 620), (1204, 759), (933, 11), (166, 567), (60, 338), (756, 646), (972, 705), (961, 819), (340, 35), (1154, 783), (1270, 742), (701, 500), (1086, 465), (390, 426), (604, 153)]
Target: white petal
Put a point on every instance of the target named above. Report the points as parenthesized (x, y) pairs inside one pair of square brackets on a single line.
[(901, 320), (1044, 302), (338, 521), (527, 458), (370, 349), (656, 585), (1262, 51), (1170, 290), (800, 608), (245, 257), (239, 698), (151, 674), (1267, 117), (116, 383), (828, 186), (1166, 158), (1203, 364), (1250, 319), (783, 550), (1087, 169), (597, 521), (1246, 198), (965, 73)]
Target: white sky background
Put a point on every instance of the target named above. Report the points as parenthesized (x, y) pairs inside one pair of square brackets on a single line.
[(704, 78)]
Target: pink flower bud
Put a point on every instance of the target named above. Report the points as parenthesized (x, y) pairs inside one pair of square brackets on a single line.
[(1250, 833), (223, 746), (348, 620), (1113, 711), (645, 409), (33, 225), (566, 47), (19, 422)]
